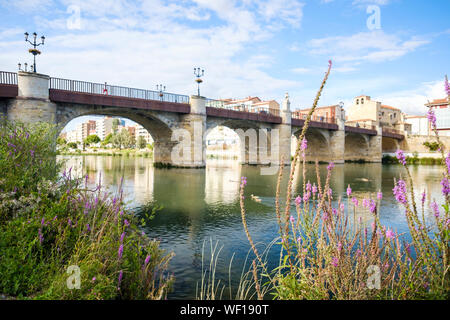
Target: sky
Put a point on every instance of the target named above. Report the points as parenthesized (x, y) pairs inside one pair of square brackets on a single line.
[(395, 51)]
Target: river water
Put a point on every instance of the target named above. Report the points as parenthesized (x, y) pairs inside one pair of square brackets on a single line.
[(201, 206)]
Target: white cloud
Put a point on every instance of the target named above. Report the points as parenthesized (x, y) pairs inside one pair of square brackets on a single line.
[(413, 101), (371, 46), (140, 44), (376, 2)]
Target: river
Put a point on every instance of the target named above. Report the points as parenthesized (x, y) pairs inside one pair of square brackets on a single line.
[(201, 206)]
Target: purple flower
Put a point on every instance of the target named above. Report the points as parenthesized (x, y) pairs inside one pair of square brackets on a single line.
[(298, 200), (355, 201), (366, 203), (243, 181), (447, 86), (42, 221), (32, 153), (93, 279), (423, 197), (314, 188), (306, 196), (330, 166), (147, 260), (41, 237), (401, 157), (88, 227), (390, 234), (431, 118), (445, 187), (400, 191), (372, 206), (335, 261), (119, 280), (379, 195), (435, 209), (292, 219), (304, 145), (447, 162), (120, 251), (342, 207), (334, 211), (126, 222), (122, 236), (349, 191), (308, 186)]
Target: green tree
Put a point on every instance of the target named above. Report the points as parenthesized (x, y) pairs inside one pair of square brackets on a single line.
[(141, 143), (72, 145), (123, 139), (61, 141), (115, 125), (92, 139), (107, 139)]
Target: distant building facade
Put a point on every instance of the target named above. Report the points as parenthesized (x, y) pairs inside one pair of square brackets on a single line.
[(323, 114), (253, 104), (442, 111)]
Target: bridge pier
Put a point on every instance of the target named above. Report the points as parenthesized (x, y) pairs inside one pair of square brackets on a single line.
[(284, 133), (188, 147), (337, 139), (376, 146), (32, 103)]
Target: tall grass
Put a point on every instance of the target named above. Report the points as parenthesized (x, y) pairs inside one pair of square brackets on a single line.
[(326, 253), (50, 224)]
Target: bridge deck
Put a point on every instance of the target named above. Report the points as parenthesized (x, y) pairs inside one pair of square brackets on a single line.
[(315, 124), (9, 90), (242, 115), (64, 96), (369, 132)]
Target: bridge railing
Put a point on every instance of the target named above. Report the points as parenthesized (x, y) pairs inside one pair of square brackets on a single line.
[(106, 89), (8, 77), (360, 125), (241, 107), (314, 118)]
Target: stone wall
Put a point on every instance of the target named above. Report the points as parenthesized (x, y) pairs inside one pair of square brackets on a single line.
[(413, 143)]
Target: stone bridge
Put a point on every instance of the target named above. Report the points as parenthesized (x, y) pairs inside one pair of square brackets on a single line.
[(31, 97)]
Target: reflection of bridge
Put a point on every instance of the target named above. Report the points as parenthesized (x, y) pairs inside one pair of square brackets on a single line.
[(35, 97)]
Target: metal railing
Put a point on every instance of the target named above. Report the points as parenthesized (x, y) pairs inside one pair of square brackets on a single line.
[(241, 107), (8, 77), (313, 118), (106, 89)]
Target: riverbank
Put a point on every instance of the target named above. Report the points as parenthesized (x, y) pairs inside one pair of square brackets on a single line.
[(109, 152)]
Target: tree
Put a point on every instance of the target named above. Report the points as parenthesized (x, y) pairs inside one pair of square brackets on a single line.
[(123, 139), (141, 143), (107, 139), (92, 139), (72, 145), (61, 141), (115, 125)]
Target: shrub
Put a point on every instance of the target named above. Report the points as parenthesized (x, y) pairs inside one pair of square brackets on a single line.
[(49, 224)]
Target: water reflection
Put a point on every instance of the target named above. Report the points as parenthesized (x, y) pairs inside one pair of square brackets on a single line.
[(199, 204)]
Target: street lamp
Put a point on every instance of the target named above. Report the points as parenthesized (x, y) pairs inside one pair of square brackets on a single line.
[(34, 51), (161, 90), (198, 73)]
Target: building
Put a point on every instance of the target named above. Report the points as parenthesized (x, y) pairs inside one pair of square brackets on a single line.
[(419, 125), (253, 104), (442, 111), (323, 114), (104, 127), (142, 132), (366, 112)]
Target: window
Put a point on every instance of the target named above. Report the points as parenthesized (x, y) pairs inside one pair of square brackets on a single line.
[(362, 101), (357, 101)]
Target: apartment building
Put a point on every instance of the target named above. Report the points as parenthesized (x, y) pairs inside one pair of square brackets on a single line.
[(442, 111)]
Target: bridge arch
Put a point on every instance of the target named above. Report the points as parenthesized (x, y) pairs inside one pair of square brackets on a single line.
[(250, 135), (389, 144), (159, 125), (357, 146), (318, 144)]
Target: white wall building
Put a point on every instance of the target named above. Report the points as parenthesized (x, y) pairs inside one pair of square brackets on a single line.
[(419, 125)]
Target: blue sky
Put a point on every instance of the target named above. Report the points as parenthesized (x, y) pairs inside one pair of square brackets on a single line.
[(249, 47)]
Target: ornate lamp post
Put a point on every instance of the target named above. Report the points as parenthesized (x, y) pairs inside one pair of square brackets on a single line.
[(161, 90), (34, 51), (198, 73)]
